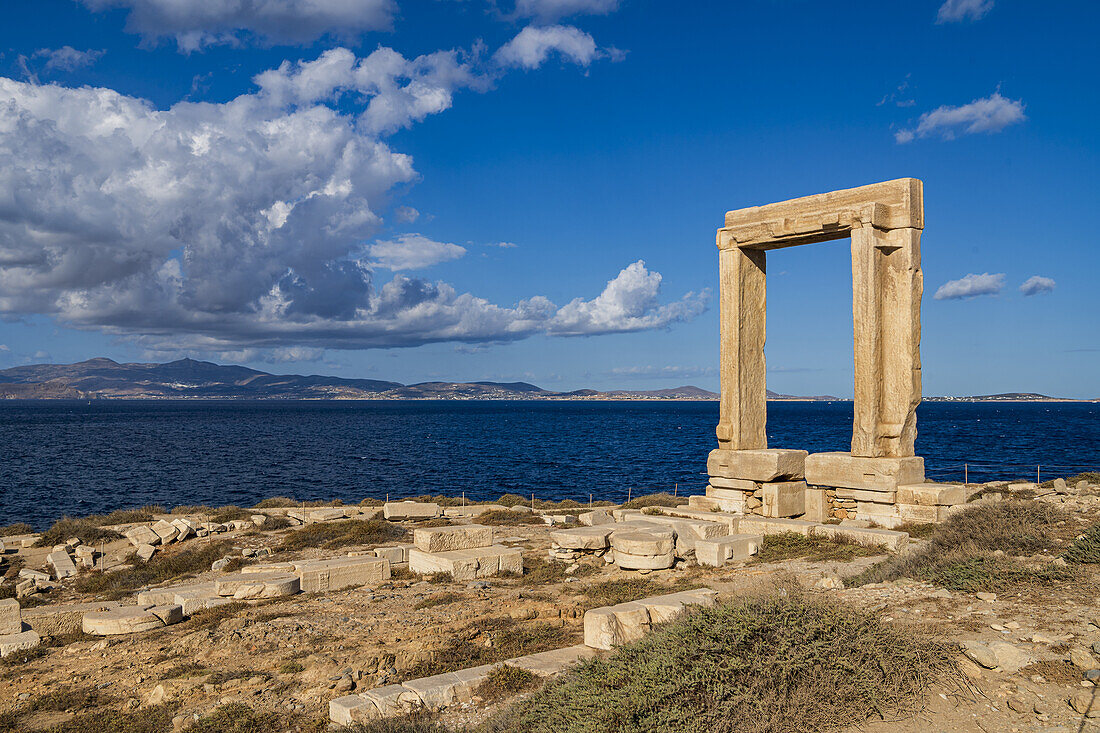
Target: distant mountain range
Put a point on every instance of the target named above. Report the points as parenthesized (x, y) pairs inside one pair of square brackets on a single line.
[(189, 379)]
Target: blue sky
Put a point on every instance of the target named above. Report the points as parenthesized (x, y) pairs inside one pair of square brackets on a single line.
[(460, 189)]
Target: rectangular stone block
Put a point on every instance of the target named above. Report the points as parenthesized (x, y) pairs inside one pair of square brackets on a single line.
[(765, 464), (873, 495), (320, 576), (595, 517), (668, 607), (435, 692), (351, 709), (445, 539), (736, 495), (62, 619), (553, 662), (387, 699), (165, 531), (734, 548), (768, 525), (10, 620), (843, 470), (481, 562), (395, 554), (741, 484), (469, 679), (921, 513), (929, 494), (784, 498), (142, 535), (582, 538), (817, 505), (397, 510), (326, 515), (472, 510), (62, 564), (708, 504), (611, 626), (887, 539)]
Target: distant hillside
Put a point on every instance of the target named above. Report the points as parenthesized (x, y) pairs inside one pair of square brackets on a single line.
[(190, 379)]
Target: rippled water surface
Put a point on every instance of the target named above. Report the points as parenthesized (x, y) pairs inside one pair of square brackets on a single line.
[(83, 458)]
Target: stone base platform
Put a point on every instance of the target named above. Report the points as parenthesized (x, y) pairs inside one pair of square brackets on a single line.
[(843, 470), (480, 562)]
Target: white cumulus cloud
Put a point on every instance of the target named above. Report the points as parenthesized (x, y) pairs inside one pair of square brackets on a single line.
[(971, 286), (989, 114), (412, 252), (195, 24), (1036, 285), (217, 227), (628, 303), (533, 45), (954, 11)]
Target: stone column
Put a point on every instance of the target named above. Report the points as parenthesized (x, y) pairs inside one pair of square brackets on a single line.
[(886, 291), (743, 295)]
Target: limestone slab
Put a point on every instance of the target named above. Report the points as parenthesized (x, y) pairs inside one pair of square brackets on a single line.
[(854, 472), (326, 515), (445, 539), (553, 662), (784, 498), (872, 495), (12, 643), (351, 709), (165, 531), (643, 542), (168, 593), (435, 692), (734, 548), (397, 510), (395, 554), (169, 613), (922, 514), (121, 620), (469, 679), (887, 539), (481, 562), (319, 576), (769, 525), (62, 564), (731, 485), (472, 510), (142, 535), (768, 464), (62, 619), (387, 699), (582, 538), (817, 505), (595, 517), (611, 626), (11, 622), (930, 494), (247, 586)]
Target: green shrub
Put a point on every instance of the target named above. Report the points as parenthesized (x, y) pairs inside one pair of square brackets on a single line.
[(763, 665), (1086, 548), (960, 553), (505, 681)]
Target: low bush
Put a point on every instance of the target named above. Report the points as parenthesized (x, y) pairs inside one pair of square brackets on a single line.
[(87, 530), (612, 592), (210, 617), (506, 518), (962, 553), (414, 723), (17, 528), (239, 718), (164, 566), (506, 681), (152, 719), (662, 498), (1086, 548), (334, 535), (537, 570), (773, 664), (789, 545)]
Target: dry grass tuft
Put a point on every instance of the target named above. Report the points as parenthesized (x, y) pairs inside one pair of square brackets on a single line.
[(439, 599), (334, 535), (771, 664), (1086, 548), (489, 641), (612, 592), (506, 518), (506, 681), (662, 498), (789, 545)]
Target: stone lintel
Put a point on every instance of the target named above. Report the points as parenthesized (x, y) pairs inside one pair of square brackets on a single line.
[(843, 470), (896, 204), (765, 464), (932, 494)]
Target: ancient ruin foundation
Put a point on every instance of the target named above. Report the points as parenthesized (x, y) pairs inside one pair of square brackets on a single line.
[(884, 222)]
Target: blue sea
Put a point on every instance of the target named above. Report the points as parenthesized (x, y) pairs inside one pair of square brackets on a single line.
[(81, 458)]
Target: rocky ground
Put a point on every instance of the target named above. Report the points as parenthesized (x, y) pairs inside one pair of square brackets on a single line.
[(1028, 663)]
